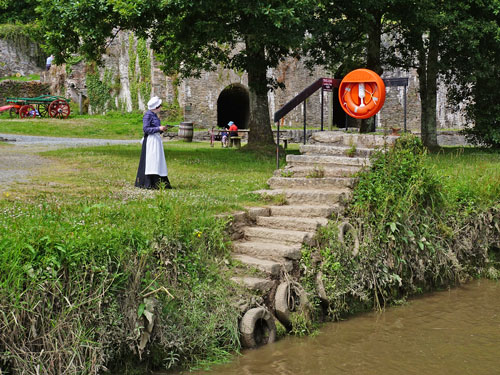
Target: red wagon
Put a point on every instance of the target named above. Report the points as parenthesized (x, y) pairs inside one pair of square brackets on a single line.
[(41, 106)]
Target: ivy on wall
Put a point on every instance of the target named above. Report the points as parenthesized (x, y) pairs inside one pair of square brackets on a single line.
[(132, 75), (100, 91), (24, 37), (139, 70)]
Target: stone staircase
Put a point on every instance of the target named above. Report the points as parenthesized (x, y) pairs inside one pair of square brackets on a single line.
[(313, 186)]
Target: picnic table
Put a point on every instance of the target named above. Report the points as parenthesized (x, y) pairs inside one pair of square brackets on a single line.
[(215, 135)]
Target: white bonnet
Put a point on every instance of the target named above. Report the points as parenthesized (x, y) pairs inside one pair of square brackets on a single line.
[(154, 102)]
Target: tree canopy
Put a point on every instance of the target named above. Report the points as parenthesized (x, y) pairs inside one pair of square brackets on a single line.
[(189, 37)]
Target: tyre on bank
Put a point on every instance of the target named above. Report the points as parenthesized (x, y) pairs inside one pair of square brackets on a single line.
[(257, 328), (290, 297)]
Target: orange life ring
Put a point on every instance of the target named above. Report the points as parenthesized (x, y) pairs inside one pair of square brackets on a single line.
[(362, 93)]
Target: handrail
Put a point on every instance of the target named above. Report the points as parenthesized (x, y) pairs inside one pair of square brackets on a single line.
[(324, 84)]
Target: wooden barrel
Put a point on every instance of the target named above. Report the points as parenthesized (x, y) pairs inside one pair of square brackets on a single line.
[(186, 131)]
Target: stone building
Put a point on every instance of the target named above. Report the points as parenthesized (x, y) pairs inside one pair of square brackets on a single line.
[(131, 75)]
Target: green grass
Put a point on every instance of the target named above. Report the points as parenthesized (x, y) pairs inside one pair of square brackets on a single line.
[(114, 125), (82, 232), (470, 176), (31, 77)]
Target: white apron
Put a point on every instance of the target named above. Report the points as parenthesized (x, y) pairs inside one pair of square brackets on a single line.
[(155, 157)]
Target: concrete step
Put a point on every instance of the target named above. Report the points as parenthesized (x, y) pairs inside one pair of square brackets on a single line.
[(332, 149), (325, 160), (305, 210), (309, 196), (310, 183), (270, 267), (268, 250), (308, 224), (341, 138), (317, 171), (286, 237), (254, 283)]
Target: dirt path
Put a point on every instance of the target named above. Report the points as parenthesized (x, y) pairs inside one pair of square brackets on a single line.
[(19, 159)]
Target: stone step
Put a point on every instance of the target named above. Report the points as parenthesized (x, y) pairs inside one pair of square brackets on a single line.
[(332, 149), (303, 196), (270, 267), (286, 237), (254, 283), (268, 250), (348, 139), (325, 160), (305, 210), (290, 222), (317, 171), (310, 183)]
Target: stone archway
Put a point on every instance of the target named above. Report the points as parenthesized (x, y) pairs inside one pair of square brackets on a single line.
[(233, 104)]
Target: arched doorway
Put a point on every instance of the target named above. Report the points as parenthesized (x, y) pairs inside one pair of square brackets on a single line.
[(233, 105)]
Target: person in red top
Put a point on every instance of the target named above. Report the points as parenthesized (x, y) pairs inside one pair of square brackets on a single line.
[(233, 129)]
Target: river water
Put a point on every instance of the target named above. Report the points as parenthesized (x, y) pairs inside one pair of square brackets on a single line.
[(448, 332)]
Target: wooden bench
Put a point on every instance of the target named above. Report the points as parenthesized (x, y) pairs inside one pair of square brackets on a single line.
[(235, 141)]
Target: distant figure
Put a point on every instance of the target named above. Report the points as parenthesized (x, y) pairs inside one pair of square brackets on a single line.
[(152, 171), (49, 61), (225, 137), (233, 129)]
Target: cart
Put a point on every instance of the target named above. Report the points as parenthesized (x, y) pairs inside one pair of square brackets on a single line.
[(41, 106)]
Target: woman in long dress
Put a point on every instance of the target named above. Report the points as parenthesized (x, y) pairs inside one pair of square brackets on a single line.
[(152, 171)]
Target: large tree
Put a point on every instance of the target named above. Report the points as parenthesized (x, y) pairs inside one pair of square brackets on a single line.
[(190, 37)]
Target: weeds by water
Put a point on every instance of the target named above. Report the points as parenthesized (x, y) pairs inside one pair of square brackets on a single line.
[(424, 222)]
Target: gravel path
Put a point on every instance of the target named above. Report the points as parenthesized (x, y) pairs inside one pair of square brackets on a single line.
[(21, 162)]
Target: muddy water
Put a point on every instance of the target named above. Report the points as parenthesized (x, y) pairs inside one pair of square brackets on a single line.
[(450, 332)]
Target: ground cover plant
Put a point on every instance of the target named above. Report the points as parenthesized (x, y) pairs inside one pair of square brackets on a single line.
[(423, 222), (96, 273)]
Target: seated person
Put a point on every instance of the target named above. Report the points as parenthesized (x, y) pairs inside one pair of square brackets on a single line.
[(233, 129)]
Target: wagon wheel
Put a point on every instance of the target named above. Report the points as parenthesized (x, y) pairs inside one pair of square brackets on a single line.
[(43, 110), (59, 108), (14, 112), (27, 111)]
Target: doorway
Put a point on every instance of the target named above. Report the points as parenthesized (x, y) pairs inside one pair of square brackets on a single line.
[(234, 105)]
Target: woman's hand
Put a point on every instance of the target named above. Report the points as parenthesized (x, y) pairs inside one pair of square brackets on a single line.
[(163, 128)]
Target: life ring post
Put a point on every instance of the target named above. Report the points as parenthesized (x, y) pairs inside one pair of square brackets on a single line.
[(362, 93)]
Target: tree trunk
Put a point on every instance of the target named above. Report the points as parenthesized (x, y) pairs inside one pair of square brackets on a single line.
[(428, 75), (259, 123), (373, 62)]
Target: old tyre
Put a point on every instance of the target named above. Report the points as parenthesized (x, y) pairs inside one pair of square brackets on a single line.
[(290, 297), (346, 229), (320, 287), (257, 328)]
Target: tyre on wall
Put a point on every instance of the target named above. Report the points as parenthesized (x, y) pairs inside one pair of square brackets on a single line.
[(257, 328), (320, 287), (346, 229), (290, 297)]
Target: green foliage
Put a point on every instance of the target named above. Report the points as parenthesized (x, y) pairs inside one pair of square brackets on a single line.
[(100, 91), (17, 11), (31, 77), (85, 257), (418, 230), (397, 181)]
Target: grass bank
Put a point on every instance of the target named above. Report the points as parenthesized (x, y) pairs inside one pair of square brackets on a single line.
[(419, 222), (89, 264)]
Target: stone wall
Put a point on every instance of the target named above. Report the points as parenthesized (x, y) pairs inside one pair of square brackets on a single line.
[(9, 88), (198, 97), (21, 56)]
